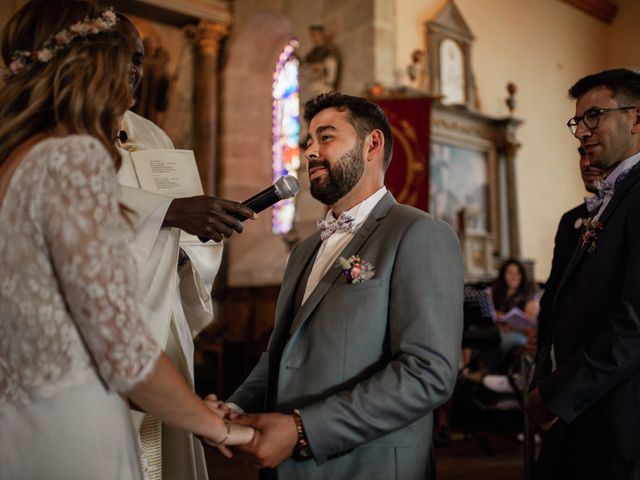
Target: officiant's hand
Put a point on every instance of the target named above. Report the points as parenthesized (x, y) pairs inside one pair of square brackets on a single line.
[(274, 441), (206, 216)]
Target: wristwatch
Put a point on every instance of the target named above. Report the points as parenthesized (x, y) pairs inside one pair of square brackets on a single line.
[(303, 449)]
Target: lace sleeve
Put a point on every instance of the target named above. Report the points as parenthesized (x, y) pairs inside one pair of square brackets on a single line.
[(80, 218)]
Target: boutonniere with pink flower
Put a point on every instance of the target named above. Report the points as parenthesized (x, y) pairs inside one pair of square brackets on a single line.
[(355, 270), (592, 228)]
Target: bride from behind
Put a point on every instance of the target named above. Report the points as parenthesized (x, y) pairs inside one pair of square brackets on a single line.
[(73, 348)]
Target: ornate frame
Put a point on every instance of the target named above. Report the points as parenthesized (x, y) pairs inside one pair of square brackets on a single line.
[(449, 25), (495, 138)]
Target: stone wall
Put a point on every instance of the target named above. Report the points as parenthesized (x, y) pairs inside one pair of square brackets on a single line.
[(544, 47), (261, 29)]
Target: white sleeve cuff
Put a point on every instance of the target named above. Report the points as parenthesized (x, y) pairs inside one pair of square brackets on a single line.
[(235, 408)]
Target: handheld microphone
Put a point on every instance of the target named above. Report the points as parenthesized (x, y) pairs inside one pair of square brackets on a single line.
[(285, 187)]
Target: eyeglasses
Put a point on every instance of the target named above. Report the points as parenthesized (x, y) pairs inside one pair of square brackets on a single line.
[(591, 118)]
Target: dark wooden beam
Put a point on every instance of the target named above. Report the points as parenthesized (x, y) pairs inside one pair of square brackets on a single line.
[(175, 13), (153, 13), (601, 9)]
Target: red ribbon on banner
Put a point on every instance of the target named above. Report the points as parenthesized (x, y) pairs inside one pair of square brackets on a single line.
[(408, 175)]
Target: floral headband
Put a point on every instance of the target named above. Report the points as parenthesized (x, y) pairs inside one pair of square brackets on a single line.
[(23, 60)]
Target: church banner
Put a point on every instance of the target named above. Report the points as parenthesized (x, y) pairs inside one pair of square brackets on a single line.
[(408, 175)]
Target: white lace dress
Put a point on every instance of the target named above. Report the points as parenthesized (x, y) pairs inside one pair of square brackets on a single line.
[(70, 333)]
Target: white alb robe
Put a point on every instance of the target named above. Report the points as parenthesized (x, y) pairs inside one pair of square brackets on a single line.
[(175, 302)]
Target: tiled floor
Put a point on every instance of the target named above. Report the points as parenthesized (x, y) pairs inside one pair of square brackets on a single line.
[(462, 459)]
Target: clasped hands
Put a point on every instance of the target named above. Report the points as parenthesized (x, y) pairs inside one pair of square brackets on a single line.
[(274, 439)]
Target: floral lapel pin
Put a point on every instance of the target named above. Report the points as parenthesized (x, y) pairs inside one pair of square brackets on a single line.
[(355, 270), (592, 228)]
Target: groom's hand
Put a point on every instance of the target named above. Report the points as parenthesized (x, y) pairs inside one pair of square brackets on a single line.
[(537, 411), (218, 407), (274, 440)]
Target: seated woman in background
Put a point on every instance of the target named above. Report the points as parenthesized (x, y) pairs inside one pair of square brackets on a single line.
[(515, 312), (512, 289), (516, 304)]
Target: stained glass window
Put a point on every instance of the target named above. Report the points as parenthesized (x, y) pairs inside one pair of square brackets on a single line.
[(286, 131)]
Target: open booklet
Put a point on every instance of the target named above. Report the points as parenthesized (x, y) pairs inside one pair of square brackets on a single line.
[(517, 319), (168, 172)]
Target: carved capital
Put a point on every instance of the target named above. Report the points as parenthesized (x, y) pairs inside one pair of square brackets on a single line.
[(206, 37), (461, 127)]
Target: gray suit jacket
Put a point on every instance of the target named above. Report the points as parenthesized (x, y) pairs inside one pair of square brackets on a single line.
[(367, 363)]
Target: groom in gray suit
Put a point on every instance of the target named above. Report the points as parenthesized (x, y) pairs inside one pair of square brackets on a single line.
[(368, 321)]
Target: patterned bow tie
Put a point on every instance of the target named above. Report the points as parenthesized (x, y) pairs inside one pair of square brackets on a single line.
[(344, 223), (604, 189)]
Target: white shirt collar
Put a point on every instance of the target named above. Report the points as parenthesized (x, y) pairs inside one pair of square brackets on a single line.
[(627, 164), (361, 211)]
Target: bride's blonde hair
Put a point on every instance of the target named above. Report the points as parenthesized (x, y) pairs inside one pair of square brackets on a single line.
[(83, 87)]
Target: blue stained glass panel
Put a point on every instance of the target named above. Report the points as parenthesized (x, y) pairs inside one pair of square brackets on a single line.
[(285, 131)]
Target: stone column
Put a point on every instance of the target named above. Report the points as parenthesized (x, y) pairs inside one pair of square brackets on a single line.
[(206, 38), (511, 148)]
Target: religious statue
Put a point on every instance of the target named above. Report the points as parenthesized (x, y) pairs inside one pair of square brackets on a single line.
[(416, 70), (321, 65)]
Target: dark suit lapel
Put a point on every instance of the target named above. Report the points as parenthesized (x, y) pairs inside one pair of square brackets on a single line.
[(329, 278), (620, 194)]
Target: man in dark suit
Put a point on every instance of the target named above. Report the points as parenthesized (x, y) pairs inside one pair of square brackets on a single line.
[(586, 386), (566, 240), (364, 349)]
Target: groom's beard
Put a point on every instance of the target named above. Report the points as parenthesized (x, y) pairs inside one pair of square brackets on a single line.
[(341, 178)]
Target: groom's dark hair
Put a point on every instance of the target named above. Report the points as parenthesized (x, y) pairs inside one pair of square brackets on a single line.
[(365, 116)]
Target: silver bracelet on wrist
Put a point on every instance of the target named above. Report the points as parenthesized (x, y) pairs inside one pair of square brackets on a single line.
[(226, 436)]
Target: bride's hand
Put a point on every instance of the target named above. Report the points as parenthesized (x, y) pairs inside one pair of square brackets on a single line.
[(235, 434)]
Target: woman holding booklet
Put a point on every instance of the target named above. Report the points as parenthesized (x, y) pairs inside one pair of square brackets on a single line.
[(513, 289), (516, 305)]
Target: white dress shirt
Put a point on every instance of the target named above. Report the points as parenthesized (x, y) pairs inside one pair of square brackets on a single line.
[(332, 246), (625, 165)]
